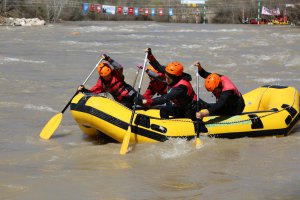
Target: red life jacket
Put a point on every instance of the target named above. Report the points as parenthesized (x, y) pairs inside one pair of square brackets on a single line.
[(227, 85), (155, 87), (184, 100), (116, 86)]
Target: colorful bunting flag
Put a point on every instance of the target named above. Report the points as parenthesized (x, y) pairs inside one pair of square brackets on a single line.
[(85, 8)]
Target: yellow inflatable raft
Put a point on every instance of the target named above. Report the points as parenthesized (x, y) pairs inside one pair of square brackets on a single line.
[(271, 110)]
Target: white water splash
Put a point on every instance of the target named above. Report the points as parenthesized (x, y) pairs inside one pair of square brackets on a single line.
[(176, 148), (40, 108)]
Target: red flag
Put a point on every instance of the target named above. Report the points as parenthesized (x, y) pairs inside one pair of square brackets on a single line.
[(140, 10), (92, 8), (120, 9), (146, 11), (98, 6), (130, 10), (161, 11)]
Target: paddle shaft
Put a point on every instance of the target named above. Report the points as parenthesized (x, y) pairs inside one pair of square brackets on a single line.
[(139, 90), (137, 73), (126, 139), (197, 89), (87, 78)]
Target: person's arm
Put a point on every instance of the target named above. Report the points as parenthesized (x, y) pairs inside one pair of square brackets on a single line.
[(173, 94), (97, 88), (153, 62), (202, 72), (148, 93), (155, 75), (113, 63)]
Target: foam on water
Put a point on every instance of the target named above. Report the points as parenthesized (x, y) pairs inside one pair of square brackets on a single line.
[(10, 59), (39, 108), (175, 148), (218, 47), (267, 80)]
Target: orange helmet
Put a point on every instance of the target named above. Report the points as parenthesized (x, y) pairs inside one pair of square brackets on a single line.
[(102, 65), (212, 82), (105, 71), (174, 68), (152, 69)]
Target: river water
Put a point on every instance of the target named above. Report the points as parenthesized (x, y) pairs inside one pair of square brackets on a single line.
[(41, 67)]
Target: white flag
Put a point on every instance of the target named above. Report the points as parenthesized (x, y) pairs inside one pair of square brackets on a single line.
[(266, 11)]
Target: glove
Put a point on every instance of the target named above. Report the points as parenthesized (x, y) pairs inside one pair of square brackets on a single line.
[(150, 57), (198, 64), (148, 50), (138, 100), (106, 57), (80, 88), (139, 66)]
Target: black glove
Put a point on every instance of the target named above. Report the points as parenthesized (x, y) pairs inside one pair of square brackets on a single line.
[(148, 50), (106, 57), (138, 100), (82, 89)]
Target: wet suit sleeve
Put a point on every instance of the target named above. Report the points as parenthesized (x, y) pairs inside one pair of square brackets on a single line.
[(155, 75), (155, 64), (148, 93), (203, 73), (175, 93), (97, 88), (118, 67), (220, 105)]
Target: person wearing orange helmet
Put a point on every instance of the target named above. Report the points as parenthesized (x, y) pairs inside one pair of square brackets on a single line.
[(111, 79), (229, 100), (157, 85), (180, 91)]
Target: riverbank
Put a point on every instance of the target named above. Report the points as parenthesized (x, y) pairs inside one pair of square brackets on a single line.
[(21, 21)]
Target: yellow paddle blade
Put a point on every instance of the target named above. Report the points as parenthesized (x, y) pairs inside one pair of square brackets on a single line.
[(198, 143), (125, 142), (51, 126)]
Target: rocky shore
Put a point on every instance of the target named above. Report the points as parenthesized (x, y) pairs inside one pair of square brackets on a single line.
[(21, 21)]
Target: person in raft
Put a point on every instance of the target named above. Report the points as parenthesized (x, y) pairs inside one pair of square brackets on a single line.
[(157, 85), (180, 91), (111, 79), (229, 101)]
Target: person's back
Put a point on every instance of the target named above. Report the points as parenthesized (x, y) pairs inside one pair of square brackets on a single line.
[(229, 100)]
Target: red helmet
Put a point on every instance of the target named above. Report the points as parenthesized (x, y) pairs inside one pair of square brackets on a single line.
[(174, 68), (212, 82)]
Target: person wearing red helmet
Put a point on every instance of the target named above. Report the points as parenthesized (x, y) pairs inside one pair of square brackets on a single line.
[(157, 85), (180, 91), (229, 100), (111, 79)]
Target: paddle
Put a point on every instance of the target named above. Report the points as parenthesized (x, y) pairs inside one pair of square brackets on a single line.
[(54, 122), (198, 141), (126, 139), (136, 75)]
